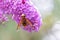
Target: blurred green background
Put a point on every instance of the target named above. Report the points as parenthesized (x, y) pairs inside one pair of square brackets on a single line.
[(8, 29)]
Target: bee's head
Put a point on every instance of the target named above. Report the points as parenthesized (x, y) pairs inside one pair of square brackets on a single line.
[(23, 15)]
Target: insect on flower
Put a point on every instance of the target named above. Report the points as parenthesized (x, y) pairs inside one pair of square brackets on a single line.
[(24, 22), (23, 12)]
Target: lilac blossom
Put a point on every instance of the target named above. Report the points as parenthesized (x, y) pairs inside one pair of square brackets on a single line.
[(19, 7), (31, 14)]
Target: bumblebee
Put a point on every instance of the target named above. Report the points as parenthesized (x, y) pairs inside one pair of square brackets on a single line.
[(24, 22)]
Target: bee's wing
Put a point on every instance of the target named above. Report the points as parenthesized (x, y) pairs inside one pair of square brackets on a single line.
[(29, 22)]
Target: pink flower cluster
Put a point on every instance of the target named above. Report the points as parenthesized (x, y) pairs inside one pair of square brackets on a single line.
[(19, 7)]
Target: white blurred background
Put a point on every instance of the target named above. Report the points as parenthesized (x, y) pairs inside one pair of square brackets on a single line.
[(46, 8)]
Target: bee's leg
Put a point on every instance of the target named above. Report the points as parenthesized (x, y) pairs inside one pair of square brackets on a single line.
[(18, 27)]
